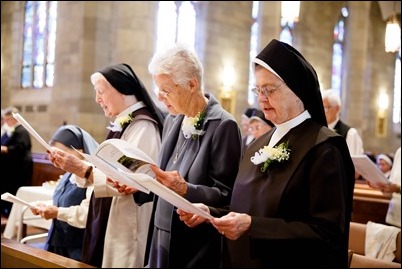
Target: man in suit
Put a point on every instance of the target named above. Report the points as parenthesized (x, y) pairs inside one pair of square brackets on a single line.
[(16, 157), (332, 107), (292, 199)]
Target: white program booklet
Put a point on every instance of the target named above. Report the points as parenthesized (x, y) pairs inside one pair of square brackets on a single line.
[(121, 161), (169, 195), (368, 169), (31, 130), (14, 199)]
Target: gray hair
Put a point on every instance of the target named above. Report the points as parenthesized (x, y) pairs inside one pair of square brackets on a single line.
[(180, 62), (332, 97)]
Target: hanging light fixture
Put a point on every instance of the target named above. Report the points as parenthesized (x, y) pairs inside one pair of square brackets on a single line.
[(393, 34)]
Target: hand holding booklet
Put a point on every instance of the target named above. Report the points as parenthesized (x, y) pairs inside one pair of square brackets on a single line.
[(14, 199), (121, 161), (368, 169)]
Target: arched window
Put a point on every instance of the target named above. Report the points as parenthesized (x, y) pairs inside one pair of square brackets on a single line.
[(176, 23), (253, 50), (289, 17), (39, 44), (339, 35)]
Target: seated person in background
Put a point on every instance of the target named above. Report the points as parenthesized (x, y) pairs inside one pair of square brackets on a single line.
[(393, 187), (69, 210), (384, 162), (245, 124), (259, 125)]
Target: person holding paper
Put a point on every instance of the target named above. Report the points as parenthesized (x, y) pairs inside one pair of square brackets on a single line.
[(116, 230), (384, 163), (15, 157), (69, 208), (292, 199), (199, 161), (393, 188)]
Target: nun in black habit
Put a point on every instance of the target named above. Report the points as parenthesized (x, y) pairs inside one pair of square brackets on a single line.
[(292, 198), (116, 230)]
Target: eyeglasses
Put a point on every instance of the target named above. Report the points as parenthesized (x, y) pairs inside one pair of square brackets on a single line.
[(165, 94), (266, 90), (326, 108)]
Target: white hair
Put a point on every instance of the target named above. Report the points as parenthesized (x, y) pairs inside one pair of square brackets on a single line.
[(332, 97), (180, 62)]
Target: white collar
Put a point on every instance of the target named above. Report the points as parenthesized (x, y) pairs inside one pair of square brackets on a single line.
[(331, 125), (131, 108), (283, 128)]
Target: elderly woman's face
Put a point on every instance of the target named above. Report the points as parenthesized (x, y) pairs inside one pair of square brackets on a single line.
[(170, 94), (110, 100), (277, 101)]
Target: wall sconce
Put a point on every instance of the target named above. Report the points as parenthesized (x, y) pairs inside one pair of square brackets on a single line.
[(393, 34), (381, 118), (227, 95)]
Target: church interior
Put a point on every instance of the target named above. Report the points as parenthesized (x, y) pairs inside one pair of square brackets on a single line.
[(345, 41)]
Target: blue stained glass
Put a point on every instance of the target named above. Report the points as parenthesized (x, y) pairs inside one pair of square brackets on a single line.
[(337, 54), (38, 76), (39, 44), (50, 75), (26, 77)]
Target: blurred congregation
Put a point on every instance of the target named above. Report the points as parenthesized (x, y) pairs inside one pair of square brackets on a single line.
[(58, 57)]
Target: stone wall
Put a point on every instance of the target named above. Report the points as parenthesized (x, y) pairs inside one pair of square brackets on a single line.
[(91, 35)]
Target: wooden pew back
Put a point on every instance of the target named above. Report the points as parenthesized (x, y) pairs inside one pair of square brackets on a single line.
[(17, 255)]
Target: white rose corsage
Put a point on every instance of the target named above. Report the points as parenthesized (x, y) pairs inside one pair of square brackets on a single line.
[(192, 126), (120, 123), (268, 155)]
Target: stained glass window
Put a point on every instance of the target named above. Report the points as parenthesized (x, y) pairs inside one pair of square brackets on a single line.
[(253, 50), (337, 53), (176, 23), (39, 44), (289, 17)]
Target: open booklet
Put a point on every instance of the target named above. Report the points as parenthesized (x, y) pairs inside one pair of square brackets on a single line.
[(368, 169), (119, 160), (14, 199)]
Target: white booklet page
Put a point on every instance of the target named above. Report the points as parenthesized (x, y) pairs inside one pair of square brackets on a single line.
[(368, 169)]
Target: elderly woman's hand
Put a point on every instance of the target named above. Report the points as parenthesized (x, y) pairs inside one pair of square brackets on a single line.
[(67, 162), (124, 189), (232, 225), (171, 179), (190, 219)]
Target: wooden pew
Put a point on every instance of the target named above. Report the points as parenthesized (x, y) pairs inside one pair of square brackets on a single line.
[(17, 255), (369, 204), (43, 170)]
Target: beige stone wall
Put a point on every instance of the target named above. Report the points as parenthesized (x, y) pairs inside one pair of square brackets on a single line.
[(93, 34)]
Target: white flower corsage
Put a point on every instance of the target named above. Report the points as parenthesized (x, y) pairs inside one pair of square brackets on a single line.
[(268, 155), (192, 126), (120, 123)]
